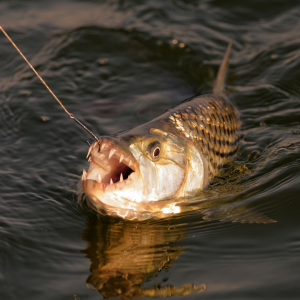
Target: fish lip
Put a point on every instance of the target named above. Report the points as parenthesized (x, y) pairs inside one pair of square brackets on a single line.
[(110, 157)]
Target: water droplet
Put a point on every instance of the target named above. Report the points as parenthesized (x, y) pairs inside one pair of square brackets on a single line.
[(274, 56), (45, 118)]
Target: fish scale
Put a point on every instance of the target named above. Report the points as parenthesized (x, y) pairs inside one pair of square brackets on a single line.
[(212, 123), (175, 156)]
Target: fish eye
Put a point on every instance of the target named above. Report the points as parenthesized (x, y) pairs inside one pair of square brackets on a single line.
[(154, 149), (156, 152)]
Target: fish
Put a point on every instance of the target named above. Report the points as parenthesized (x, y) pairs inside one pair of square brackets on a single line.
[(152, 169), (140, 172)]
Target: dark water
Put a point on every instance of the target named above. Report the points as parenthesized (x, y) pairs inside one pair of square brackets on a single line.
[(116, 64)]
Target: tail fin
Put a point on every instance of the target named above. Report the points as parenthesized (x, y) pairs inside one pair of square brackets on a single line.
[(219, 84)]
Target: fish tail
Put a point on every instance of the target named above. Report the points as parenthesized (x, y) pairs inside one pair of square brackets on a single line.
[(219, 84)]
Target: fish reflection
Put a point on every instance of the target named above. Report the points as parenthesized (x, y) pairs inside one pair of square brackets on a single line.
[(125, 254)]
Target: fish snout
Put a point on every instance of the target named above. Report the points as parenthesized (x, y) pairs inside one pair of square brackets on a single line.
[(111, 165)]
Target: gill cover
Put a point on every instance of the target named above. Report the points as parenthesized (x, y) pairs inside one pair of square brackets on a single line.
[(170, 167)]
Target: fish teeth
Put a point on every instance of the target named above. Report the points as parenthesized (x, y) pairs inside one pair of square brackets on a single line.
[(111, 182), (129, 164), (84, 175), (102, 146), (121, 177), (89, 152), (111, 152), (121, 158)]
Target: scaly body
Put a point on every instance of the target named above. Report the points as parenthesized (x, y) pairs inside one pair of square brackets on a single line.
[(144, 170)]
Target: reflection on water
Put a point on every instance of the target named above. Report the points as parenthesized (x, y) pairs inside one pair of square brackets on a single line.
[(124, 255), (145, 73)]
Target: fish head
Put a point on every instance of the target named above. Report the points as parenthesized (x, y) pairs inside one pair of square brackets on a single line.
[(162, 161), (135, 168)]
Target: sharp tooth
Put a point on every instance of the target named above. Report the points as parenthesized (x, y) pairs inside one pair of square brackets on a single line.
[(111, 182), (121, 158), (121, 177), (99, 178), (90, 159), (129, 164), (89, 152), (111, 152), (84, 175), (102, 146)]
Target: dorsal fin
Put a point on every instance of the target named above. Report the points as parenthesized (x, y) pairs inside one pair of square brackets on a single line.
[(219, 84)]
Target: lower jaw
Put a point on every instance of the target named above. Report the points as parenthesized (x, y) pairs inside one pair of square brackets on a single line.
[(133, 211), (111, 204), (91, 185), (120, 194)]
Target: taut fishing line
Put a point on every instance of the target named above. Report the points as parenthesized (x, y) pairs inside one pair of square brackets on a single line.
[(71, 116)]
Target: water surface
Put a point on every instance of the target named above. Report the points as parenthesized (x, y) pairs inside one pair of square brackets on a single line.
[(115, 65)]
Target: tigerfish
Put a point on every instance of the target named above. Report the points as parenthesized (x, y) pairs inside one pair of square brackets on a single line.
[(147, 168)]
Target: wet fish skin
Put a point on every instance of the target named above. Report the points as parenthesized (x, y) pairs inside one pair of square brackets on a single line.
[(196, 138), (213, 124), (174, 156), (210, 122)]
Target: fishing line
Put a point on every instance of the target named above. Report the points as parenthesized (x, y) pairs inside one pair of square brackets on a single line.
[(71, 116)]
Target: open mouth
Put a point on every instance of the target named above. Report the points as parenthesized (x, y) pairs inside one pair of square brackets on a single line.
[(111, 167)]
